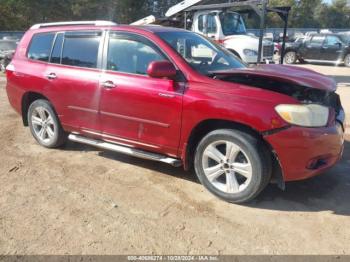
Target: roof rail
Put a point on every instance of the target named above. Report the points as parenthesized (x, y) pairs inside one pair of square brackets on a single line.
[(95, 23)]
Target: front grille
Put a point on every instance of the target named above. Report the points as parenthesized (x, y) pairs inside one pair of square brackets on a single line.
[(268, 50)]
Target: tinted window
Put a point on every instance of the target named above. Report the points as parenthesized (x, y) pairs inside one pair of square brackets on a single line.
[(317, 40), (332, 40), (131, 55), (211, 24), (345, 38), (40, 47), (81, 49), (232, 24), (201, 23), (56, 51)]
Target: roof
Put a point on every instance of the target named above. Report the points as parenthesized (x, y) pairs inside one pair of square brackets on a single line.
[(158, 29), (81, 25)]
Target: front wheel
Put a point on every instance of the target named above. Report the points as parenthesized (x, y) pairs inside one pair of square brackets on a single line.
[(347, 60), (290, 57), (233, 165), (44, 124)]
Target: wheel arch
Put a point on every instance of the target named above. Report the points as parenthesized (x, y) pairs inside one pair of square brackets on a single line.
[(206, 126), (27, 99)]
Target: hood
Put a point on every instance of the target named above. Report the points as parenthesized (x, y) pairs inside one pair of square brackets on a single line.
[(245, 40), (285, 74)]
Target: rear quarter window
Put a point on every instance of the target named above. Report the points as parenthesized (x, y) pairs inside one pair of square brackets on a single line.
[(40, 47)]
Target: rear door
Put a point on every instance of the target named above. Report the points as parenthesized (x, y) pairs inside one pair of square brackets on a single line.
[(312, 48), (73, 73), (135, 108)]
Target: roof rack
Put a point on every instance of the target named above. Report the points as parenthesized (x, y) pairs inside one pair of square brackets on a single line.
[(95, 23)]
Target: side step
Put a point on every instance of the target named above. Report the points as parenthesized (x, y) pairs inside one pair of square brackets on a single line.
[(125, 150)]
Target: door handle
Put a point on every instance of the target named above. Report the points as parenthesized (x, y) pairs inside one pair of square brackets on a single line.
[(166, 95), (51, 76), (108, 84)]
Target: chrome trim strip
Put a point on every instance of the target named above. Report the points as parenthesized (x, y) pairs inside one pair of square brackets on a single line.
[(140, 120), (83, 109)]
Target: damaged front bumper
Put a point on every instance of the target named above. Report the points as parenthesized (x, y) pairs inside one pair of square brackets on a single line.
[(306, 152)]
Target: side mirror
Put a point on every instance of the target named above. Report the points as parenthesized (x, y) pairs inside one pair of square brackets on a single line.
[(161, 69), (339, 45)]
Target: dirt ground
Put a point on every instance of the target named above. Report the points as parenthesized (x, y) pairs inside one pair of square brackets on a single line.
[(80, 200)]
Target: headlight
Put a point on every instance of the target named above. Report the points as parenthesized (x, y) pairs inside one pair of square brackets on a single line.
[(311, 115), (249, 52)]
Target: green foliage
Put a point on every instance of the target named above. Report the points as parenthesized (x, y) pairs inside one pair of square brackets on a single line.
[(21, 14)]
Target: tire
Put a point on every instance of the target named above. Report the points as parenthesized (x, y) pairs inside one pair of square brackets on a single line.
[(290, 57), (226, 179), (347, 60), (44, 124), (301, 61)]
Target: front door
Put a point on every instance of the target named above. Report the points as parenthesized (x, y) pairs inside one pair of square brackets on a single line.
[(136, 109), (332, 48)]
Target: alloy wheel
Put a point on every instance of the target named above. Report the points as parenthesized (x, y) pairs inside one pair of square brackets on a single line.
[(347, 61), (43, 125), (227, 167), (289, 58)]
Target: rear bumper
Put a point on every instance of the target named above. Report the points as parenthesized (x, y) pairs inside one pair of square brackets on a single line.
[(307, 152)]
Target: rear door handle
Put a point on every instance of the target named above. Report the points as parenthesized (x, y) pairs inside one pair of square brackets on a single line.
[(108, 84), (51, 76)]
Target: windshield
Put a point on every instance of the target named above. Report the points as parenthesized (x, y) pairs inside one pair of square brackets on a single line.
[(205, 56), (345, 38), (7, 45), (232, 24)]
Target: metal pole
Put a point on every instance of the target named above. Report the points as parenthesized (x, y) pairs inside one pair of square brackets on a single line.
[(262, 29), (185, 24), (284, 37)]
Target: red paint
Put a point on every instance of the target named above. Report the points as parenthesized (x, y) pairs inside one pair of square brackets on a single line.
[(159, 114), (161, 69)]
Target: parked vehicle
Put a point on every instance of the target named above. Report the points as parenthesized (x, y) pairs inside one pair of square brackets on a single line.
[(320, 48), (172, 96), (7, 49), (222, 25)]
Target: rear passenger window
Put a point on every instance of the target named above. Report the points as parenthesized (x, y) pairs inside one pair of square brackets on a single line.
[(40, 47), (317, 41), (81, 49), (131, 54), (57, 48)]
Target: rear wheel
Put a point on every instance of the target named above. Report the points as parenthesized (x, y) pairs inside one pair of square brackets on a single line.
[(347, 60), (44, 124), (233, 165), (290, 57)]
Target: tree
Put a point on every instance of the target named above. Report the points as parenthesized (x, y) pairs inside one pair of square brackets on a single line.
[(21, 14)]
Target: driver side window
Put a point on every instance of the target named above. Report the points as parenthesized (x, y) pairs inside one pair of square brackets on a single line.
[(332, 40)]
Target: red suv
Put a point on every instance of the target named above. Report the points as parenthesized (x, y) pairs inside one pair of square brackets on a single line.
[(173, 96)]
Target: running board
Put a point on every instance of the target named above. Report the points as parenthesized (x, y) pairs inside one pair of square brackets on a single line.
[(125, 150)]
